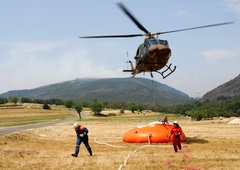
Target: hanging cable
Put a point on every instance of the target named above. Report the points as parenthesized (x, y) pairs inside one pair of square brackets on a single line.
[(153, 90)]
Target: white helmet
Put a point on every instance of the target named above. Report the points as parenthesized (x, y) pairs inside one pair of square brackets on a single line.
[(175, 122), (76, 125)]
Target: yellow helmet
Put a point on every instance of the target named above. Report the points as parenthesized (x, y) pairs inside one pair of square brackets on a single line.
[(75, 126)]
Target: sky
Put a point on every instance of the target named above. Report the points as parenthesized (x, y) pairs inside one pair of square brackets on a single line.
[(40, 44)]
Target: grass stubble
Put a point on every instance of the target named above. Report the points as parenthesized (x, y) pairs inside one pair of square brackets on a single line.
[(211, 144)]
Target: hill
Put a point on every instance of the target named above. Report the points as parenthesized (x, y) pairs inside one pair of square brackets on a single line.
[(230, 88), (137, 90)]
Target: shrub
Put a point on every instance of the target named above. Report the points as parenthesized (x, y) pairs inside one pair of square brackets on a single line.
[(46, 106)]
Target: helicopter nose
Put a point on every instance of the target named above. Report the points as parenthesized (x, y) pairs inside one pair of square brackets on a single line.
[(162, 49), (159, 51)]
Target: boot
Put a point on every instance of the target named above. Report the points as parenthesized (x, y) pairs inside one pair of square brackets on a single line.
[(175, 148), (180, 147), (90, 151), (74, 155)]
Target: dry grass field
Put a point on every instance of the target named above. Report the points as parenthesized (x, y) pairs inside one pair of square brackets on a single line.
[(211, 144), (32, 114)]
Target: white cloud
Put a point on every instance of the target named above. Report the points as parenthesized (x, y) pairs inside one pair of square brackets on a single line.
[(37, 46), (233, 5), (219, 54), (181, 13), (33, 64)]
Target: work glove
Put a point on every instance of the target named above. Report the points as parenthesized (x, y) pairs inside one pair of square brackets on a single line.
[(81, 135)]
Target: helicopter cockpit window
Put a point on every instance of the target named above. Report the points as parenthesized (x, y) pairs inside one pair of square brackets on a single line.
[(155, 41), (152, 42), (163, 42)]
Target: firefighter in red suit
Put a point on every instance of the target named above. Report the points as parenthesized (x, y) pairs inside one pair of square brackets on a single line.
[(176, 132), (165, 120)]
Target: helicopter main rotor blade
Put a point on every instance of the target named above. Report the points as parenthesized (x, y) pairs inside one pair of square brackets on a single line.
[(132, 18), (114, 36), (205, 26)]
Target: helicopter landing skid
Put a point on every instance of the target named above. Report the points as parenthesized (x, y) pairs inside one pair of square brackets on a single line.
[(168, 68)]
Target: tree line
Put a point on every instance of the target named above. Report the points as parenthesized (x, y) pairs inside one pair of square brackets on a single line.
[(196, 109), (15, 100), (95, 105), (207, 109)]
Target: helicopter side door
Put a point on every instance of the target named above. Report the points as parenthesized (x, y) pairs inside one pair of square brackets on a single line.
[(139, 53)]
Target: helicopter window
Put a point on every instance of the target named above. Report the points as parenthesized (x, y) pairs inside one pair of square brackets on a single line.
[(163, 42), (146, 46), (152, 42), (137, 51), (155, 41)]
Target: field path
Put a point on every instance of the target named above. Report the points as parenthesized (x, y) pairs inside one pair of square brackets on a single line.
[(21, 128)]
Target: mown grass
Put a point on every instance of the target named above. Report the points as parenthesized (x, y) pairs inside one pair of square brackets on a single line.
[(133, 117), (32, 114)]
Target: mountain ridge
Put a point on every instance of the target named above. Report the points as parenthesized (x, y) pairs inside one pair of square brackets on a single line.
[(228, 89), (137, 90)]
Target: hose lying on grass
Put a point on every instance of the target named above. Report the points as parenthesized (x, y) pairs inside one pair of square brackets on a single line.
[(103, 143), (167, 163)]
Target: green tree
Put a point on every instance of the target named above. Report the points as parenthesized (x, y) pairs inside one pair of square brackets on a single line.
[(26, 100), (140, 107), (14, 99), (133, 107), (55, 101), (46, 106), (3, 100), (78, 107), (68, 104), (96, 107), (122, 110), (238, 112), (39, 101)]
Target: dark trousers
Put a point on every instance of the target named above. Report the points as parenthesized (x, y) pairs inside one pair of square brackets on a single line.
[(85, 142)]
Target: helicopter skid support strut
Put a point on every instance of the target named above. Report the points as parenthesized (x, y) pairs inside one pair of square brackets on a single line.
[(167, 69)]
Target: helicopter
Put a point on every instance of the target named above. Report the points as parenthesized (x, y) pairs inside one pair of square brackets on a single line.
[(153, 54)]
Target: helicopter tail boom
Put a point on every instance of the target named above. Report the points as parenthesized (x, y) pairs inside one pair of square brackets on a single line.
[(134, 73), (132, 67), (128, 71)]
